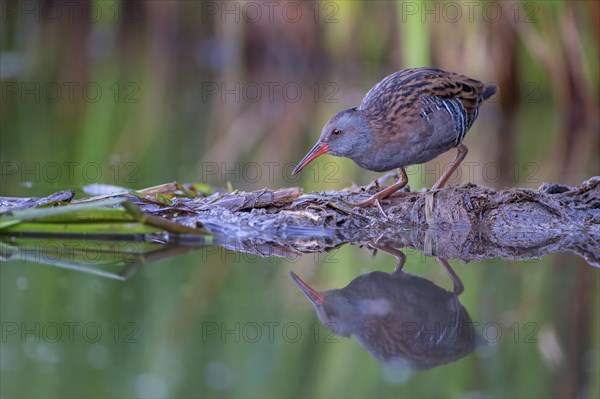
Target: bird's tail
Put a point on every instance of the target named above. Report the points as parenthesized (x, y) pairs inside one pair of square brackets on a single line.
[(488, 91)]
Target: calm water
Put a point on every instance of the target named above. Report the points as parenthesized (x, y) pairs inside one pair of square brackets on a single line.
[(215, 322), (136, 94)]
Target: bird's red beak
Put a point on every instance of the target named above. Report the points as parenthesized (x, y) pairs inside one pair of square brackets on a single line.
[(316, 297), (319, 149)]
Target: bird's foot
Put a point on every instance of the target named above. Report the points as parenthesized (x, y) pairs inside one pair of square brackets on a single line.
[(376, 198), (365, 203), (369, 202), (381, 209), (386, 192), (376, 184)]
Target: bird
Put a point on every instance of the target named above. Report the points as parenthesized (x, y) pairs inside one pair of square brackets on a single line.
[(401, 320), (409, 117)]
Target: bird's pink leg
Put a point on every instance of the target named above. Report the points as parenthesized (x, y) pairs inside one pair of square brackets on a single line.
[(461, 153), (396, 253), (385, 192), (458, 286)]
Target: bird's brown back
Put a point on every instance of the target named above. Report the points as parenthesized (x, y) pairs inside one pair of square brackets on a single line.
[(420, 343), (396, 97)]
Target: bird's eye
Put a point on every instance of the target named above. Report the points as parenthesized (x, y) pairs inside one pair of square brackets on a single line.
[(336, 132)]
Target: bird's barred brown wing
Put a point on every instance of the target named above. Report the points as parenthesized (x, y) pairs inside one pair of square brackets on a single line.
[(412, 94)]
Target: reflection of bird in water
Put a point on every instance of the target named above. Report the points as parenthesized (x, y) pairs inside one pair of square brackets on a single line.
[(400, 319)]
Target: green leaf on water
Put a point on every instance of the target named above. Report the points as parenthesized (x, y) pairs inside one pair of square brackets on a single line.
[(91, 217)]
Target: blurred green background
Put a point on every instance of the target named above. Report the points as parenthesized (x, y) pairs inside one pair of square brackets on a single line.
[(141, 93)]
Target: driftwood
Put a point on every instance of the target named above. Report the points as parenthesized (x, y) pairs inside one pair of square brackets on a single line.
[(466, 222)]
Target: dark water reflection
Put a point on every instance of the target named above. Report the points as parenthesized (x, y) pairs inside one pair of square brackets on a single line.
[(400, 319), (198, 319)]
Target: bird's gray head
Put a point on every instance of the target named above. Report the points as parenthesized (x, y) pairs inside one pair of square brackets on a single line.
[(346, 134), (336, 312)]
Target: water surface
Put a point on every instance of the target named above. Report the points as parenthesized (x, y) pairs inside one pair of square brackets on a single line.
[(210, 321)]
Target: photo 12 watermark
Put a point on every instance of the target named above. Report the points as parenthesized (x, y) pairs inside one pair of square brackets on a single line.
[(269, 92), (82, 253), (267, 171), (220, 11), (237, 253), (68, 172), (70, 12), (70, 92), (469, 11), (470, 171), (328, 172), (254, 12), (70, 332), (294, 332)]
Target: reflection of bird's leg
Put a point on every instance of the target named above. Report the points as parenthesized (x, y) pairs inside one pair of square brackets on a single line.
[(461, 153), (458, 286), (396, 253), (400, 261)]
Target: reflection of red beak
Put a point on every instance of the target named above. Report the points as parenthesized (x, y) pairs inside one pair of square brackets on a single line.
[(315, 297), (318, 149)]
